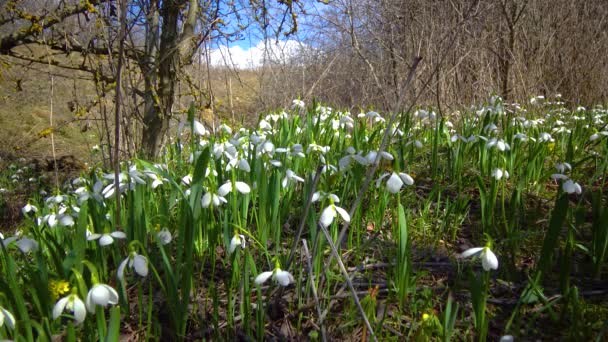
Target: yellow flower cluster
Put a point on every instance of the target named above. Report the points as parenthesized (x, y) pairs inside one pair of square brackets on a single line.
[(58, 288)]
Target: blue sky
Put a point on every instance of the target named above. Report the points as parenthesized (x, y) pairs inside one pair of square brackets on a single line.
[(249, 51)]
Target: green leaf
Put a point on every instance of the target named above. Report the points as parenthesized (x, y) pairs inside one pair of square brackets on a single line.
[(558, 217)]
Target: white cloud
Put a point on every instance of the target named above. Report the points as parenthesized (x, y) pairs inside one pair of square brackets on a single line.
[(255, 56)]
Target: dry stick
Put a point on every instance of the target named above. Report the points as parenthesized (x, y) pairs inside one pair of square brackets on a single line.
[(315, 182), (51, 115), (121, 50), (314, 289), (334, 251), (376, 163)]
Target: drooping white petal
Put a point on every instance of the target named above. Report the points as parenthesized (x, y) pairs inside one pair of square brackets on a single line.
[(407, 179), (7, 316), (234, 243), (206, 201), (571, 187), (262, 277), (164, 236), (121, 269), (489, 261), (394, 184), (199, 128), (118, 235), (343, 213), (327, 216), (471, 251), (140, 264), (105, 240), (379, 180), (52, 220), (225, 189), (316, 196), (60, 306), (283, 277), (79, 309), (557, 176), (242, 187), (27, 245)]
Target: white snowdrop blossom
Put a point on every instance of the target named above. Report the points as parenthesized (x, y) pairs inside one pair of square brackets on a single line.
[(7, 316), (227, 187), (545, 137), (563, 167), (138, 263), (26, 245), (199, 128), (29, 208), (372, 155), (298, 104), (331, 211), (106, 239), (498, 174), (73, 304), (164, 236), (499, 144), (598, 135), (290, 177), (210, 197), (571, 187), (489, 261), (236, 241), (100, 294), (282, 277), (395, 181)]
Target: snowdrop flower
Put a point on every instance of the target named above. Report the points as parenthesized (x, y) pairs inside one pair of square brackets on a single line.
[(164, 236), (237, 240), (27, 245), (498, 174), (156, 180), (199, 129), (187, 179), (290, 177), (227, 187), (500, 144), (6, 316), (106, 239), (317, 148), (395, 181), (50, 219), (282, 277), (563, 167), (101, 294), (488, 258), (239, 163), (210, 197), (558, 176), (225, 128), (330, 212), (265, 125), (298, 104), (571, 187), (29, 208), (491, 127), (73, 304), (84, 195), (137, 262), (545, 137), (598, 135), (371, 157), (520, 136)]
